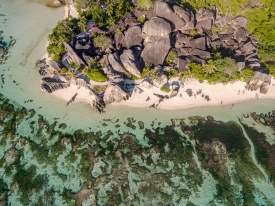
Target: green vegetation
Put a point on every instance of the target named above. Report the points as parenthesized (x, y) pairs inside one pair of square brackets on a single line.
[(148, 72), (146, 4), (116, 10), (60, 34), (64, 70), (128, 75), (141, 19), (217, 69), (171, 57), (214, 29), (102, 41), (171, 73), (165, 89), (193, 32), (97, 14), (97, 74)]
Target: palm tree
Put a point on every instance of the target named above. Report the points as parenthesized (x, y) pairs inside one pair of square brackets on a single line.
[(209, 67)]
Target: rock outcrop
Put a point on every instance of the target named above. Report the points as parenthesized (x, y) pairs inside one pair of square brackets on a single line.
[(114, 93), (115, 62), (156, 50), (132, 37), (131, 61), (260, 80), (156, 27), (161, 9)]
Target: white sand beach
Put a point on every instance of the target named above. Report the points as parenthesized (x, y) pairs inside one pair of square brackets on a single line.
[(219, 94)]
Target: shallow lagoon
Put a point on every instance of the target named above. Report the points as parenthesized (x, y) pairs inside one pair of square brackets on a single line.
[(38, 146)]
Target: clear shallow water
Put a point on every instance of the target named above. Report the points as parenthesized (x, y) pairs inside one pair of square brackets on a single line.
[(30, 22)]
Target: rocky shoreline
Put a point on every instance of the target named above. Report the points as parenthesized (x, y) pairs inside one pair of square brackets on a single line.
[(170, 27)]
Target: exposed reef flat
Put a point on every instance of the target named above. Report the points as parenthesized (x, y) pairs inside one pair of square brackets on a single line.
[(181, 163)]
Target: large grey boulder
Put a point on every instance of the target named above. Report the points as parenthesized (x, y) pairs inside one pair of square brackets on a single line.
[(160, 80), (156, 27), (155, 52), (199, 43), (114, 93), (72, 56), (131, 21), (206, 24), (240, 21), (54, 65), (181, 63), (131, 62), (115, 62), (196, 59), (186, 15), (203, 14), (240, 35), (259, 80), (200, 53), (161, 9), (138, 13), (146, 83), (132, 37), (118, 39), (249, 48), (181, 40)]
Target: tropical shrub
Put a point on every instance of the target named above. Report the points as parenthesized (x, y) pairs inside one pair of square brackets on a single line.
[(165, 89), (97, 75), (64, 70), (171, 57), (148, 72), (116, 10), (141, 19), (146, 4), (171, 73), (102, 41), (193, 32)]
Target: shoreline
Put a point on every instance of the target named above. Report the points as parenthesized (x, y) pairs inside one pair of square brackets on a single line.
[(217, 92), (220, 94)]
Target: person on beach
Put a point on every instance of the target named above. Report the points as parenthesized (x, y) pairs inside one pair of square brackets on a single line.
[(232, 105), (221, 101), (239, 91), (243, 91)]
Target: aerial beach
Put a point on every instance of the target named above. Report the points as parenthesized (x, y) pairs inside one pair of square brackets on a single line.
[(167, 141)]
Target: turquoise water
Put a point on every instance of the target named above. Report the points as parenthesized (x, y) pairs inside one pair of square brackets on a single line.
[(125, 160)]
